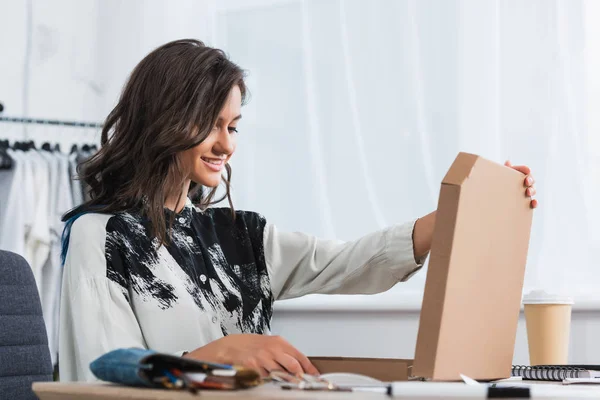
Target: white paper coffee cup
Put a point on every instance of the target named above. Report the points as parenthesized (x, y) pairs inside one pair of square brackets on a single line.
[(548, 321)]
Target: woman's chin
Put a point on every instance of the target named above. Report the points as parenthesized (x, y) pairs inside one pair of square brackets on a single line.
[(208, 182)]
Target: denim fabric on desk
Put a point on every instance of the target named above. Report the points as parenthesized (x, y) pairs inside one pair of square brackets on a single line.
[(123, 366)]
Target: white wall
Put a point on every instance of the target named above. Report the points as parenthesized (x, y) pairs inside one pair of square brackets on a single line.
[(361, 106), (393, 334)]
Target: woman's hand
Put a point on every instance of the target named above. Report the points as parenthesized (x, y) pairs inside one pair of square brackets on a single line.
[(529, 182), (423, 231), (260, 352)]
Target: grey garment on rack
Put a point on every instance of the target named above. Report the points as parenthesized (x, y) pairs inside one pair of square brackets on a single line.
[(12, 218), (52, 271), (82, 157), (6, 181), (76, 189)]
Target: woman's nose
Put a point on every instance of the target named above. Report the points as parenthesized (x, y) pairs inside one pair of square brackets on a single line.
[(225, 143)]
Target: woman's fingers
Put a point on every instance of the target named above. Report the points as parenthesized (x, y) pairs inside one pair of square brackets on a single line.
[(307, 366), (289, 363), (531, 191), (256, 365), (529, 181), (278, 355), (266, 362), (295, 353), (263, 353), (534, 203), (521, 168)]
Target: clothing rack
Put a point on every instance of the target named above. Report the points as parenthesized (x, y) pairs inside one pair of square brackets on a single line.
[(22, 120), (77, 124)]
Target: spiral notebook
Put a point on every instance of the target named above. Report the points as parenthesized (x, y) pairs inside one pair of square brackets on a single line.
[(556, 372)]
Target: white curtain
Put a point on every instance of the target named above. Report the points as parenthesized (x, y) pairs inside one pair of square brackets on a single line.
[(358, 108)]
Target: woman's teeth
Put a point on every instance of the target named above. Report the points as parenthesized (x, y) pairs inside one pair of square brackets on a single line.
[(214, 161)]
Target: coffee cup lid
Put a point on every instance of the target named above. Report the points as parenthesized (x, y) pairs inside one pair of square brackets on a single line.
[(542, 297)]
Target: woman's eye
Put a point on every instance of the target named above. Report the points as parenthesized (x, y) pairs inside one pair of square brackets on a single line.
[(232, 130)]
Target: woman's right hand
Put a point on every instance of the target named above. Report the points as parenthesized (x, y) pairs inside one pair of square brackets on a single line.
[(260, 352)]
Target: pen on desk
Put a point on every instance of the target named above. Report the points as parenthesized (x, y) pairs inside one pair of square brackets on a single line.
[(386, 389), (451, 390), (508, 392)]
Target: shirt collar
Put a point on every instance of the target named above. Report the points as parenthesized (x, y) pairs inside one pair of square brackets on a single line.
[(184, 216)]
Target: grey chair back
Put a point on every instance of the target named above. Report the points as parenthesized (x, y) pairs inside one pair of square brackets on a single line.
[(24, 353)]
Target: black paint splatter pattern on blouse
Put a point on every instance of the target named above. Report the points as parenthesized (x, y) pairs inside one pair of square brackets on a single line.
[(222, 263)]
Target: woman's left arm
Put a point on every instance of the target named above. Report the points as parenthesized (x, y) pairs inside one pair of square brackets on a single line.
[(300, 264)]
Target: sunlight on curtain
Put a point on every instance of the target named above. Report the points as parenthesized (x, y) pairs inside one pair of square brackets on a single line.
[(359, 108)]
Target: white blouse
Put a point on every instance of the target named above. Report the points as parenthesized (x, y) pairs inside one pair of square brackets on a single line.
[(216, 276)]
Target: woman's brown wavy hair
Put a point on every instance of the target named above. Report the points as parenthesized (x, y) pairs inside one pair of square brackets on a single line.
[(169, 104)]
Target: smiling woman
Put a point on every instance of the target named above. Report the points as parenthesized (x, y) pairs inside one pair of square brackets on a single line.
[(206, 161), (148, 263), (168, 107)]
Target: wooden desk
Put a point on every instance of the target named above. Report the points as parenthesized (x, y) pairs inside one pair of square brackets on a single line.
[(105, 391), (101, 391)]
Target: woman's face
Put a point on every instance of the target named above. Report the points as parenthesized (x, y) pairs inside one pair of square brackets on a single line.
[(207, 160)]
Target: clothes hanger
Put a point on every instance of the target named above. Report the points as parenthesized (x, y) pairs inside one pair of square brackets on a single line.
[(6, 161), (26, 146)]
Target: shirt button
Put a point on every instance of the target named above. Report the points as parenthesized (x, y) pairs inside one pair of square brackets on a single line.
[(214, 320), (182, 220), (203, 278), (189, 239)]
